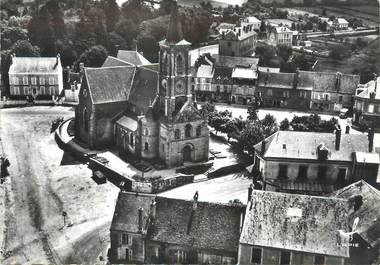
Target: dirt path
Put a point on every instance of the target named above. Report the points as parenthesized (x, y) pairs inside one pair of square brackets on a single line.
[(35, 196)]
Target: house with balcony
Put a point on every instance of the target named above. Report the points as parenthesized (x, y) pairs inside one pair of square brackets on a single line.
[(37, 77), (314, 163), (157, 230), (289, 229), (367, 104)]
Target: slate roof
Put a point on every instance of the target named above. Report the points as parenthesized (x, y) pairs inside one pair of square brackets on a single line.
[(213, 226), (109, 84), (112, 61), (325, 81), (276, 80), (144, 88), (303, 145), (127, 123), (35, 65), (222, 72), (132, 57), (305, 80), (296, 222), (369, 212), (125, 217), (232, 61)]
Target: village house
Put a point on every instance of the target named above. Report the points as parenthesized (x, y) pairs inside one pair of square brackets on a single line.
[(340, 24), (314, 163), (71, 83), (153, 229), (367, 104), (256, 23), (365, 242), (282, 228), (278, 35), (37, 77), (239, 41), (144, 111)]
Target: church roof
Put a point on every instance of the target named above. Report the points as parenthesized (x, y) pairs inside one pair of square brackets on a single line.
[(127, 123), (174, 33), (113, 61), (109, 84), (132, 57)]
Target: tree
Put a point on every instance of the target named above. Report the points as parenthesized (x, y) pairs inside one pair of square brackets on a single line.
[(269, 125), (338, 52), (284, 51), (301, 62), (23, 48), (112, 13), (93, 57), (9, 35), (252, 110), (149, 46), (265, 53), (251, 134), (129, 30), (263, 26), (284, 125), (166, 6), (207, 109)]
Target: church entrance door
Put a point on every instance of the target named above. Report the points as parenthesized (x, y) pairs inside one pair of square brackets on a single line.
[(187, 154)]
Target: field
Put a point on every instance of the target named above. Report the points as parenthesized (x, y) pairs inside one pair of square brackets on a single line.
[(368, 14)]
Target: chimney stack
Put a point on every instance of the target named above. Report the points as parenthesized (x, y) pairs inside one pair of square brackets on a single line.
[(263, 146), (140, 219), (195, 201), (338, 135), (371, 134), (153, 209)]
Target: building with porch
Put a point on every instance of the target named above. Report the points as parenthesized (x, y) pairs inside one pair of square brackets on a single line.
[(157, 230), (282, 228), (314, 163), (37, 77), (143, 111)]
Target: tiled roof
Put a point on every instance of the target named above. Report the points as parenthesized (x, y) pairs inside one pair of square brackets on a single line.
[(132, 57), (109, 84), (144, 88), (212, 226), (328, 82), (125, 217), (206, 71), (296, 222), (112, 61), (303, 145), (232, 61), (369, 212), (42, 65), (305, 80), (279, 80)]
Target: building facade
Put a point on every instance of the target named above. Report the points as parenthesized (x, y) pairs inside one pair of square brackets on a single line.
[(239, 41), (37, 77), (314, 163), (280, 35), (367, 104)]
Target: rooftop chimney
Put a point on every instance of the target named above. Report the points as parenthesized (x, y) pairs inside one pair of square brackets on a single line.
[(263, 147), (338, 135), (371, 134), (140, 219), (153, 209)]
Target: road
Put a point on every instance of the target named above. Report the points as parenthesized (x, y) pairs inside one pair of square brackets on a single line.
[(39, 189)]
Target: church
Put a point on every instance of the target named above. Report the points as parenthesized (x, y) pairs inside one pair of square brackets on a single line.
[(142, 108)]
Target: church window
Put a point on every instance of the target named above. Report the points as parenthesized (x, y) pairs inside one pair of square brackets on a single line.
[(188, 129), (131, 140), (199, 130), (146, 147), (177, 134), (180, 65), (85, 120)]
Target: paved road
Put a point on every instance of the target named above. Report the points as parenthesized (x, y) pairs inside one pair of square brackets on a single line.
[(32, 228)]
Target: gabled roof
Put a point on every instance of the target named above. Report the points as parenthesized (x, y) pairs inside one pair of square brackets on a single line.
[(205, 71), (276, 80), (342, 21), (112, 61), (35, 65), (144, 88), (132, 57), (372, 86), (296, 222), (252, 19), (188, 112), (109, 84), (303, 145), (128, 123), (211, 226), (154, 67), (125, 217), (369, 212), (232, 61)]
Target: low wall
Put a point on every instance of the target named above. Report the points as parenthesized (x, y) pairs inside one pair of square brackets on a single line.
[(223, 171)]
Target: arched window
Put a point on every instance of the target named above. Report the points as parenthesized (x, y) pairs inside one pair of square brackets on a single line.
[(85, 119), (188, 129), (146, 132), (177, 134), (199, 130), (146, 147), (131, 140), (180, 65)]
